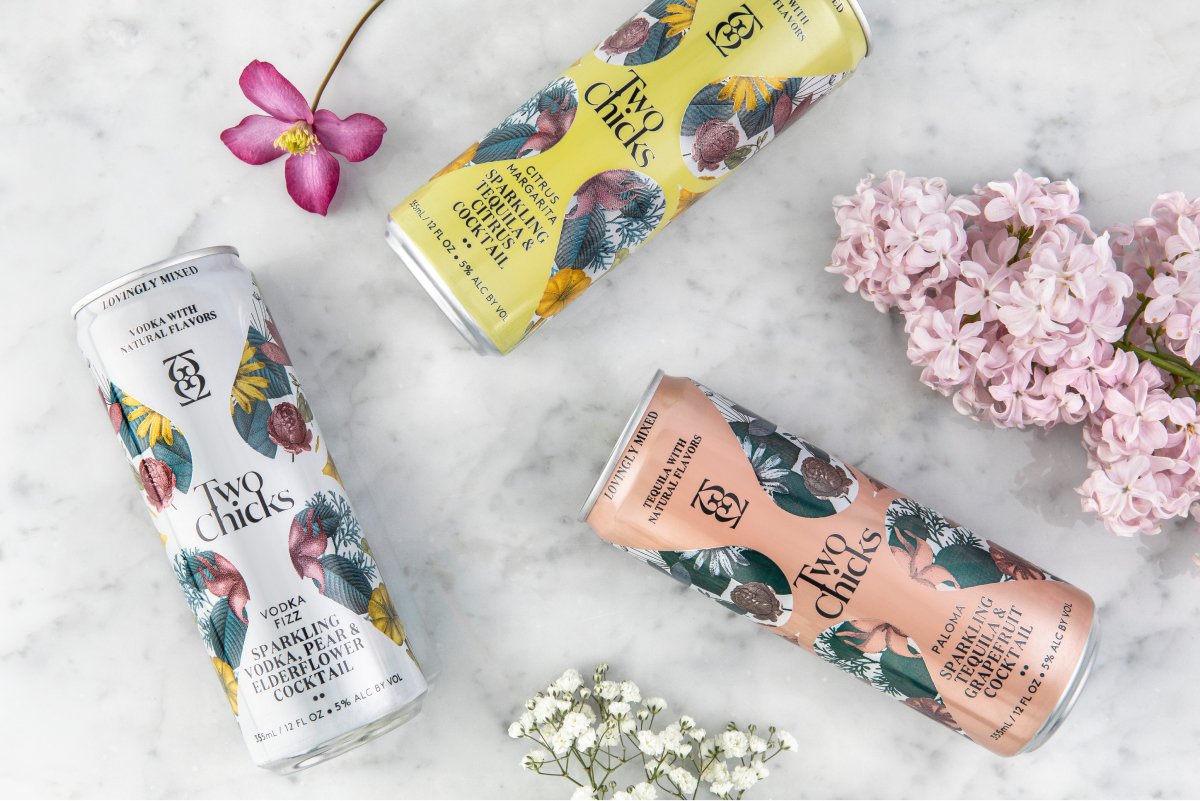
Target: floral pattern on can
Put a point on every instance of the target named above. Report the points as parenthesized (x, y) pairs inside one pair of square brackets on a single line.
[(218, 596), (158, 450), (326, 545), (534, 128), (650, 35), (608, 218), (743, 581), (728, 122), (883, 656), (942, 555), (800, 478)]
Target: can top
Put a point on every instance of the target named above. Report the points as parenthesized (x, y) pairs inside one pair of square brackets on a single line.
[(130, 277), (862, 20), (619, 447)]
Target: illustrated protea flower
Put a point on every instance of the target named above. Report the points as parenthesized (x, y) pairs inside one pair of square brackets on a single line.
[(563, 289), (287, 429), (715, 141), (628, 38), (609, 190), (788, 112), (758, 599), (746, 90), (873, 636), (934, 710), (916, 557), (273, 348), (150, 424), (307, 540), (158, 480), (116, 415), (552, 126), (824, 480), (222, 579), (228, 682), (383, 615), (309, 137), (1014, 566), (247, 384)]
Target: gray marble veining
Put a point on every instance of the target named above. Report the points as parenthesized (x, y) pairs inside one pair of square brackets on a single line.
[(112, 160)]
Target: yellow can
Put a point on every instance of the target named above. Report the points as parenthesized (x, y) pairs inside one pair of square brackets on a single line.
[(522, 223)]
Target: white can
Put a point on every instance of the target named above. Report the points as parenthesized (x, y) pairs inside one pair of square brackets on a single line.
[(259, 530)]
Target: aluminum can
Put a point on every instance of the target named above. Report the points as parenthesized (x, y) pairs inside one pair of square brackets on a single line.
[(200, 390), (522, 223), (779, 531)]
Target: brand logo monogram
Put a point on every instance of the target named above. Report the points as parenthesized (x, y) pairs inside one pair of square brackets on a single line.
[(714, 501), (737, 28), (184, 370)]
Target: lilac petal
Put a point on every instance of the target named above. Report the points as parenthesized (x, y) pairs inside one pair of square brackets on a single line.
[(357, 137), (312, 180), (266, 88), (253, 139)]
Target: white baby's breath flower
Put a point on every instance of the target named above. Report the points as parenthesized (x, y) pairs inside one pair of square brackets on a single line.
[(743, 778), (587, 740), (672, 738), (709, 748), (618, 709), (621, 795), (786, 741), (589, 713), (583, 794), (610, 735), (526, 720), (649, 743), (585, 693), (721, 788), (534, 759), (630, 692), (569, 681), (758, 767), (716, 771), (574, 724), (686, 722), (563, 704), (684, 779), (608, 690), (628, 726), (697, 734), (734, 742), (515, 731), (561, 742), (757, 744), (544, 708), (655, 705), (644, 791)]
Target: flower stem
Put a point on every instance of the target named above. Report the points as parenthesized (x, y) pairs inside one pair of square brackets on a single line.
[(346, 46)]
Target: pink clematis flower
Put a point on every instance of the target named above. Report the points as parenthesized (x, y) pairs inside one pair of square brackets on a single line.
[(308, 139)]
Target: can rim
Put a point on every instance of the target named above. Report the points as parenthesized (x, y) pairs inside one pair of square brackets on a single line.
[(866, 26), (619, 447), (141, 272), (1075, 686)]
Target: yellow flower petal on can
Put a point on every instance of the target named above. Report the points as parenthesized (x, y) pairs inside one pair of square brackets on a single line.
[(151, 424), (330, 469), (247, 387), (745, 90), (228, 681), (679, 17), (564, 287), (383, 614)]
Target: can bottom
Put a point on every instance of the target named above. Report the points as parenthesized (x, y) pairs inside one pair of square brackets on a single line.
[(346, 742), (436, 288), (1072, 693)]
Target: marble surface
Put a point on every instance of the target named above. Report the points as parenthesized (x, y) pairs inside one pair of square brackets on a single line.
[(112, 160)]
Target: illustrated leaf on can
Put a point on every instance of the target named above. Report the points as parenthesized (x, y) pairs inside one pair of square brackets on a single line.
[(252, 427), (345, 583), (178, 456), (582, 244), (278, 385), (658, 45), (230, 631), (906, 676), (504, 142), (970, 566), (705, 106)]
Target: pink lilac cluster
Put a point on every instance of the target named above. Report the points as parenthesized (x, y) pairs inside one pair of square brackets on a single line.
[(1018, 311)]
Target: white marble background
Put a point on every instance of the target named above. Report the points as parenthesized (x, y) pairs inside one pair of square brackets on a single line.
[(111, 160)]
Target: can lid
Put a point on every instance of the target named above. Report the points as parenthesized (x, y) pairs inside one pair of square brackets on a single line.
[(130, 277), (862, 20), (619, 447)]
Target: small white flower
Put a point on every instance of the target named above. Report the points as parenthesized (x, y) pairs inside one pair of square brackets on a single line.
[(717, 771), (583, 794), (563, 704), (735, 743), (757, 744), (684, 779), (627, 726), (561, 742), (574, 724), (655, 705), (534, 759), (644, 791), (686, 722), (697, 734), (649, 743), (588, 713), (786, 741), (585, 693), (526, 720), (515, 731), (743, 778), (621, 795), (672, 738), (708, 748), (544, 708), (642, 714), (587, 740), (608, 690), (610, 736), (758, 767), (630, 692), (618, 709), (720, 788), (569, 681)]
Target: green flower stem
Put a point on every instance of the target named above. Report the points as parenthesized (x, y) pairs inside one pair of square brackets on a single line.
[(346, 46), (1164, 362)]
